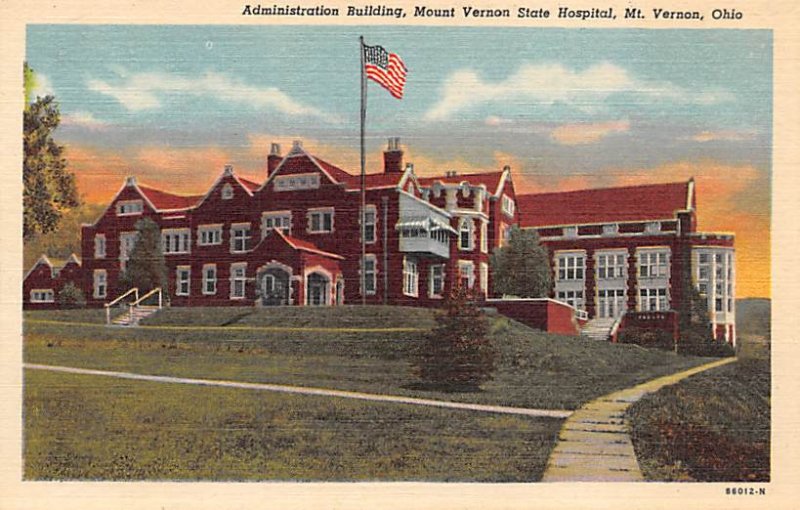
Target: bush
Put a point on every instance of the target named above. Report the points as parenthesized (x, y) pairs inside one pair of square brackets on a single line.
[(71, 297), (457, 354), (698, 342), (650, 338)]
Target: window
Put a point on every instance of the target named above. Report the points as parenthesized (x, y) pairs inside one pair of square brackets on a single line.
[(42, 296), (320, 221), (175, 241), (571, 266), (508, 206), (718, 304), (129, 207), (466, 273), (465, 229), (570, 231), (484, 277), (610, 230), (410, 277), (436, 284), (653, 300), (99, 246), (370, 219), (227, 192), (240, 237), (238, 279), (276, 220), (182, 280), (209, 279), (571, 297), (611, 265), (654, 264), (208, 235), (370, 273), (484, 237), (652, 227), (100, 283)]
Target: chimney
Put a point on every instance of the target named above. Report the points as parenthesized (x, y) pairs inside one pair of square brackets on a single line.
[(274, 158), (393, 157)]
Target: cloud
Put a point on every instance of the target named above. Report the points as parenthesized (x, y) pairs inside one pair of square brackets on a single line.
[(83, 119), (586, 133), (143, 91), (727, 136), (554, 83), (42, 86)]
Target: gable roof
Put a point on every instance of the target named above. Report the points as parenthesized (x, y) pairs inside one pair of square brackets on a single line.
[(163, 200), (649, 202), (381, 180), (251, 186), (299, 244)]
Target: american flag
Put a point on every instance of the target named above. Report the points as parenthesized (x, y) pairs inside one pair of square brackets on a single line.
[(386, 69)]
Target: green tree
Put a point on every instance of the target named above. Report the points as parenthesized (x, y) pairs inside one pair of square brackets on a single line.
[(146, 267), (457, 353), (522, 267), (71, 297), (49, 188)]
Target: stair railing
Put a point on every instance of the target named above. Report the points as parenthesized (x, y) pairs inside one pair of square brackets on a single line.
[(134, 291), (136, 303), (616, 325)]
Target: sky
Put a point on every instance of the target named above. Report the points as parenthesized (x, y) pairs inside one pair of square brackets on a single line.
[(565, 108)]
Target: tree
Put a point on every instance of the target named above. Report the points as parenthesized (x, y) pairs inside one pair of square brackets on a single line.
[(71, 297), (522, 267), (49, 188), (145, 268), (457, 353)]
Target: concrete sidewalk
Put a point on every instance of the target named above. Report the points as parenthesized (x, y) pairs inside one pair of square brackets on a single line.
[(594, 444), (303, 390)]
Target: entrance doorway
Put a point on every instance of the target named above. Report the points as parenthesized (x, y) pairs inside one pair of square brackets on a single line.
[(610, 303), (317, 290), (274, 285)]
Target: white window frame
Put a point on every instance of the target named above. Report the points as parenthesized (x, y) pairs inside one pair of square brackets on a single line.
[(484, 237), (613, 263), (297, 182), (176, 241), (571, 266), (647, 294), (235, 278), (470, 233), (100, 247), (410, 277), (321, 212), (180, 271), (370, 275), (575, 298), (207, 280), (483, 275), (42, 296), (467, 268), (278, 220), (371, 209), (97, 283), (432, 277), (227, 191), (137, 207), (213, 235), (245, 239), (649, 264), (508, 206)]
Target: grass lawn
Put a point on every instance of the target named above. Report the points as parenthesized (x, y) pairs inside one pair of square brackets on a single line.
[(714, 426), (88, 427), (535, 369)]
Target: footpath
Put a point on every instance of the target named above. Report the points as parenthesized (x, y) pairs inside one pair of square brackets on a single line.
[(594, 444)]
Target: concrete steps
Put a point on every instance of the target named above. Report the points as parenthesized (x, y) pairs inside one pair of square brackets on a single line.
[(132, 317), (598, 329)]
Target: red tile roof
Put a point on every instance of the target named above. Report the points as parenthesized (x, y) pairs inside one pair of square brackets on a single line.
[(299, 244), (607, 205), (374, 180), (334, 171), (490, 179), (250, 185), (164, 200)]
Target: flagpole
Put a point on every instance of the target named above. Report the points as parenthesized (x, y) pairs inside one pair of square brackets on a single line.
[(363, 176)]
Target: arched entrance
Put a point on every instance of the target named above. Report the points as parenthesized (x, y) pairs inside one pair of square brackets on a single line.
[(318, 290), (274, 286)]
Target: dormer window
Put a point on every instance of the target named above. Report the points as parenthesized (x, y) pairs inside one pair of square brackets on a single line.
[(227, 192), (129, 207)]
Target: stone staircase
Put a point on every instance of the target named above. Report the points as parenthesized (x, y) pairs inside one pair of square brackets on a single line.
[(598, 329), (134, 315)]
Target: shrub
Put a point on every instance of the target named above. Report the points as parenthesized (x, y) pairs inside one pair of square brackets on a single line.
[(698, 342), (457, 353), (644, 337), (71, 297)]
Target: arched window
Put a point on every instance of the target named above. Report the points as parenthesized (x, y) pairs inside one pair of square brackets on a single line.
[(465, 234)]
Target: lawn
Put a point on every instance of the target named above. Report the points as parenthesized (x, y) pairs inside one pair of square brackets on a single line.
[(714, 426), (534, 369), (88, 427)]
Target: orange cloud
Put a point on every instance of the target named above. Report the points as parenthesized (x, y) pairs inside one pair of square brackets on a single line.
[(586, 132)]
